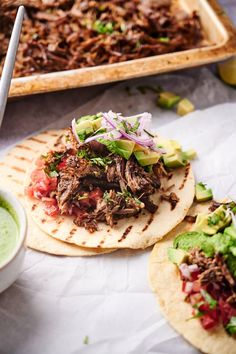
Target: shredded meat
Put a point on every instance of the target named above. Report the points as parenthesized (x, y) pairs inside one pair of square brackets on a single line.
[(114, 206), (215, 275), (69, 34), (172, 198), (139, 181)]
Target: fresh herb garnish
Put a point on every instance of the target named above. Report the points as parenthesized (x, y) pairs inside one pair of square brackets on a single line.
[(86, 340), (83, 153), (127, 195), (106, 197), (51, 169), (148, 133), (135, 127), (102, 27), (209, 299), (164, 39), (231, 326), (101, 161), (197, 315)]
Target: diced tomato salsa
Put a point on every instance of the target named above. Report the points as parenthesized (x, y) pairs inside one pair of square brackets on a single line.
[(42, 187), (210, 314)]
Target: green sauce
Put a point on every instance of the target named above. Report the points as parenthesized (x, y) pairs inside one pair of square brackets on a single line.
[(9, 231)]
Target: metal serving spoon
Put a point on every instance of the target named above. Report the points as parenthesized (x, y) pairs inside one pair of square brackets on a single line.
[(8, 68)]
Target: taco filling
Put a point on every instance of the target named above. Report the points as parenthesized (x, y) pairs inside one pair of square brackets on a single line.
[(108, 167), (206, 260)]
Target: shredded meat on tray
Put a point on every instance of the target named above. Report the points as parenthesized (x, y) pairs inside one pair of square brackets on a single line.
[(69, 34), (94, 184)]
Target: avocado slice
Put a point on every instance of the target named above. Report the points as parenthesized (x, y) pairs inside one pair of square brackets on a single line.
[(89, 117), (174, 161), (184, 107), (97, 123), (190, 154), (84, 125), (167, 100), (213, 222), (146, 158), (203, 194), (177, 256), (121, 147)]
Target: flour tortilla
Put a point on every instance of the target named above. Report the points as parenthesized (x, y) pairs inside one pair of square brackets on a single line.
[(12, 177), (165, 282), (135, 233)]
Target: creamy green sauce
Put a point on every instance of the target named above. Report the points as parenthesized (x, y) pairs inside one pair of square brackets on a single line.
[(9, 231)]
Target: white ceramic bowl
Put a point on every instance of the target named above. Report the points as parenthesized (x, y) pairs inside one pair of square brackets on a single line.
[(10, 269)]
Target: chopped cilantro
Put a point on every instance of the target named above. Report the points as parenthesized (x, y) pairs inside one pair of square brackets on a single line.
[(51, 169), (197, 315), (102, 27), (106, 197), (83, 153), (231, 326), (86, 340), (135, 127), (101, 161), (148, 133), (209, 299), (164, 39)]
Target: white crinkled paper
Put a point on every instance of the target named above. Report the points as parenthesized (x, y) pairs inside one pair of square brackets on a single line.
[(57, 301)]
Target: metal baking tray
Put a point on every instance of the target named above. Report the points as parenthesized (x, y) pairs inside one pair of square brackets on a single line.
[(220, 44)]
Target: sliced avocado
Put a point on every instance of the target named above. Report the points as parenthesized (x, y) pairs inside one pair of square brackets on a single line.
[(97, 123), (177, 256), (202, 193), (84, 125), (89, 117), (121, 147), (184, 107), (213, 222), (190, 154), (138, 147), (125, 145), (174, 161), (167, 100), (146, 158)]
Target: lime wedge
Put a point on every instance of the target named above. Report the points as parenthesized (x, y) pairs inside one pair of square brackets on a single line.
[(227, 71)]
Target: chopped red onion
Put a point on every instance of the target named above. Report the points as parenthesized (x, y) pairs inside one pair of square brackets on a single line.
[(188, 287), (193, 268), (233, 217), (184, 269)]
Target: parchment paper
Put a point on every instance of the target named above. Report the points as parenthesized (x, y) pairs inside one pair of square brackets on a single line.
[(56, 302)]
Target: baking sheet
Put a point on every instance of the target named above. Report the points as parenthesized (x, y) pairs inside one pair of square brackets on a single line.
[(56, 302), (221, 38)]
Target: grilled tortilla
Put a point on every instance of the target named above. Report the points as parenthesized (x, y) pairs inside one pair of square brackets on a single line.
[(12, 176), (166, 283), (137, 232)]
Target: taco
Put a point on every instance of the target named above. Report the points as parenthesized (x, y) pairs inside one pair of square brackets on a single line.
[(193, 274), (110, 183), (12, 176)]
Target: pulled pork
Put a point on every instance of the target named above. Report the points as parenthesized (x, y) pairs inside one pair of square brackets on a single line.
[(215, 276), (96, 185), (69, 34)]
